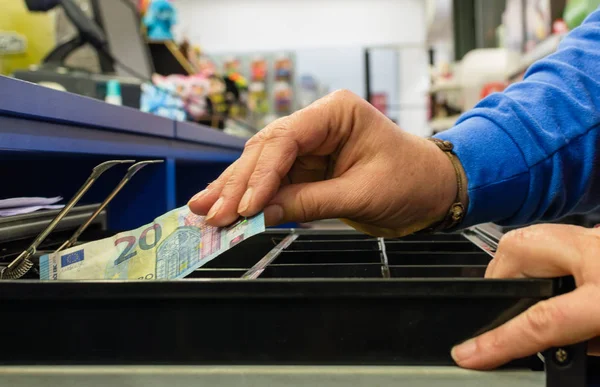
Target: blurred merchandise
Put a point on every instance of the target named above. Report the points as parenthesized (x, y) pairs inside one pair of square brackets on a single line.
[(143, 5), (283, 97), (258, 99), (577, 10), (480, 73), (380, 101), (217, 101), (206, 66), (258, 102), (446, 98), (537, 22), (283, 69), (256, 84), (195, 95), (479, 68), (194, 55), (161, 98), (492, 87), (25, 37), (259, 70), (513, 20), (282, 89), (159, 18), (12, 43), (236, 93), (231, 65), (113, 92), (559, 27)]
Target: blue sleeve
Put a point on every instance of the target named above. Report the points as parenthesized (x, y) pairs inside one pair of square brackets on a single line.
[(531, 153)]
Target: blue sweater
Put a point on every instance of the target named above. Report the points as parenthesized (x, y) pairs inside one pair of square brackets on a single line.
[(532, 152)]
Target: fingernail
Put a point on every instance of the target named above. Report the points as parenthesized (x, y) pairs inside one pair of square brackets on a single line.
[(197, 196), (273, 214), (245, 202), (214, 209), (464, 351)]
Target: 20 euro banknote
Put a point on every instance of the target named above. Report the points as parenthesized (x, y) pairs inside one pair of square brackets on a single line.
[(171, 247)]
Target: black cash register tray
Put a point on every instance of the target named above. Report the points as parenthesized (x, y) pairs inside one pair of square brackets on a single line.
[(327, 298)]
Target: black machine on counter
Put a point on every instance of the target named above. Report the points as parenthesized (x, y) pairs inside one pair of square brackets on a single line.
[(115, 36)]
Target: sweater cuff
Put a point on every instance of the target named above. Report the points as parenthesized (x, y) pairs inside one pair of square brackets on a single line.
[(497, 174)]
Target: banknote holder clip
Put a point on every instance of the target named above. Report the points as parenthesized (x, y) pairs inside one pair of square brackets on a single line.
[(23, 263), (128, 176)]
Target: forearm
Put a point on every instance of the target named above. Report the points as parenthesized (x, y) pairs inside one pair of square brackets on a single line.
[(531, 152)]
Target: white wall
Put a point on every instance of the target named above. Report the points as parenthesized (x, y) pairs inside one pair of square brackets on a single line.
[(336, 68), (312, 26), (248, 25)]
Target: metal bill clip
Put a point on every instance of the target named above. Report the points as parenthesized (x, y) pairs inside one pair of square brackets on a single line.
[(22, 264), (130, 172)]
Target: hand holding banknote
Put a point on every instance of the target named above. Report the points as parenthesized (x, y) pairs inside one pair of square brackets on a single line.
[(338, 158), (171, 247)]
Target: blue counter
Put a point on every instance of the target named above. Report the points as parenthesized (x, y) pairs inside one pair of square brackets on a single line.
[(50, 140)]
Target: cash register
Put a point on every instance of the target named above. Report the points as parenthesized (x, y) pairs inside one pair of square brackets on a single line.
[(115, 38), (321, 308)]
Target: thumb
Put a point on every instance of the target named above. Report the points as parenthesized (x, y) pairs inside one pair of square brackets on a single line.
[(306, 202)]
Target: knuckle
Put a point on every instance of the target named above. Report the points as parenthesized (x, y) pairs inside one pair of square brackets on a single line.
[(541, 320), (277, 129), (506, 244), (343, 94), (255, 140), (513, 240), (280, 128), (264, 176), (515, 237), (347, 97), (308, 207), (231, 186)]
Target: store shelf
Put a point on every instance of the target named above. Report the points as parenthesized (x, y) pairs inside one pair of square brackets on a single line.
[(540, 51)]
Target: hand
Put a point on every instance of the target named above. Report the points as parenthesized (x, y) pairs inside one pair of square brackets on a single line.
[(338, 158), (547, 251)]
